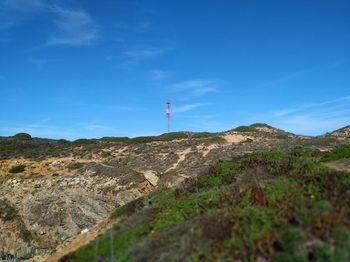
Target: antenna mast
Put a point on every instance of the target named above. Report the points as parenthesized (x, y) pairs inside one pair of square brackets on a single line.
[(167, 114)]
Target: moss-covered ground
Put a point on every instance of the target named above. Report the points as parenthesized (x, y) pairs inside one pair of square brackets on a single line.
[(271, 206)]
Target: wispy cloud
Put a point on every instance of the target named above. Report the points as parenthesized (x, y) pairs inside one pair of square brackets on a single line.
[(300, 108), (23, 6), (15, 12), (134, 56), (186, 108), (75, 27), (196, 87), (313, 118), (159, 74), (137, 27), (299, 74)]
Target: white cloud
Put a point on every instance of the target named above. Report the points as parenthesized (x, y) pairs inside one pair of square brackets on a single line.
[(299, 74), (14, 12), (185, 108), (288, 111), (23, 6), (135, 55), (312, 118), (196, 87), (159, 74), (75, 27)]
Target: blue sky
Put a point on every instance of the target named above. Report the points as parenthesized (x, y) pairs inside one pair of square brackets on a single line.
[(84, 68)]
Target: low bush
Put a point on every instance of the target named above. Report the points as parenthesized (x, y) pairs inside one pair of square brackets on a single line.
[(17, 169), (245, 129), (340, 152), (22, 136)]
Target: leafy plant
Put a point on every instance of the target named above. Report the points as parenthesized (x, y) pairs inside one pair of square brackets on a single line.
[(17, 169)]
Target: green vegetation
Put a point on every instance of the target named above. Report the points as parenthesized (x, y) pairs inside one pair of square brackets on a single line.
[(22, 136), (203, 136), (261, 125), (75, 165), (340, 152), (83, 141), (17, 169), (245, 129), (268, 205)]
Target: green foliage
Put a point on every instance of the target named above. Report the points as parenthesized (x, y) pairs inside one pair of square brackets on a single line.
[(286, 257), (22, 136), (245, 129), (281, 136), (324, 253), (17, 169), (339, 153), (291, 240), (75, 165), (83, 141), (341, 237), (224, 174), (261, 125), (129, 208), (205, 136), (279, 192), (63, 141), (259, 205)]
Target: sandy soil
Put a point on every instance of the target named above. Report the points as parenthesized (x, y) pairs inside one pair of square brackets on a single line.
[(235, 139), (339, 165), (182, 156)]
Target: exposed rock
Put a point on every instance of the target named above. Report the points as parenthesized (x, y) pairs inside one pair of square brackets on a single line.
[(152, 177)]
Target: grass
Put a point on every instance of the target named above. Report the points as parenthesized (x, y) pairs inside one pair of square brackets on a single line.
[(341, 152), (262, 205)]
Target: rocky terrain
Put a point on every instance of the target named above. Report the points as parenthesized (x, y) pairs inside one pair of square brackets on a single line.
[(54, 190)]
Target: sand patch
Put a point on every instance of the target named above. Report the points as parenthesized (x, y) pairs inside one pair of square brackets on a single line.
[(235, 138), (182, 156)]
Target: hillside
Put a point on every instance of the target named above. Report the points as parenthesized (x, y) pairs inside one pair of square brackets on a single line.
[(55, 190), (264, 206)]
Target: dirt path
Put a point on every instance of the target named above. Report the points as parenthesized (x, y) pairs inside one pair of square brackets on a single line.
[(75, 242), (182, 156), (339, 165)]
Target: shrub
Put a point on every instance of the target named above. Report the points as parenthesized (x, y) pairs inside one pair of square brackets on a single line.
[(17, 169), (22, 136), (291, 240), (75, 165), (83, 141), (338, 153), (63, 141), (261, 125), (245, 129)]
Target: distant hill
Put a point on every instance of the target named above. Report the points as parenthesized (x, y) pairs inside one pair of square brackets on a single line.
[(343, 132)]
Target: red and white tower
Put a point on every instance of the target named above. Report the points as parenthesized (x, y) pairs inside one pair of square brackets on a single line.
[(167, 114)]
